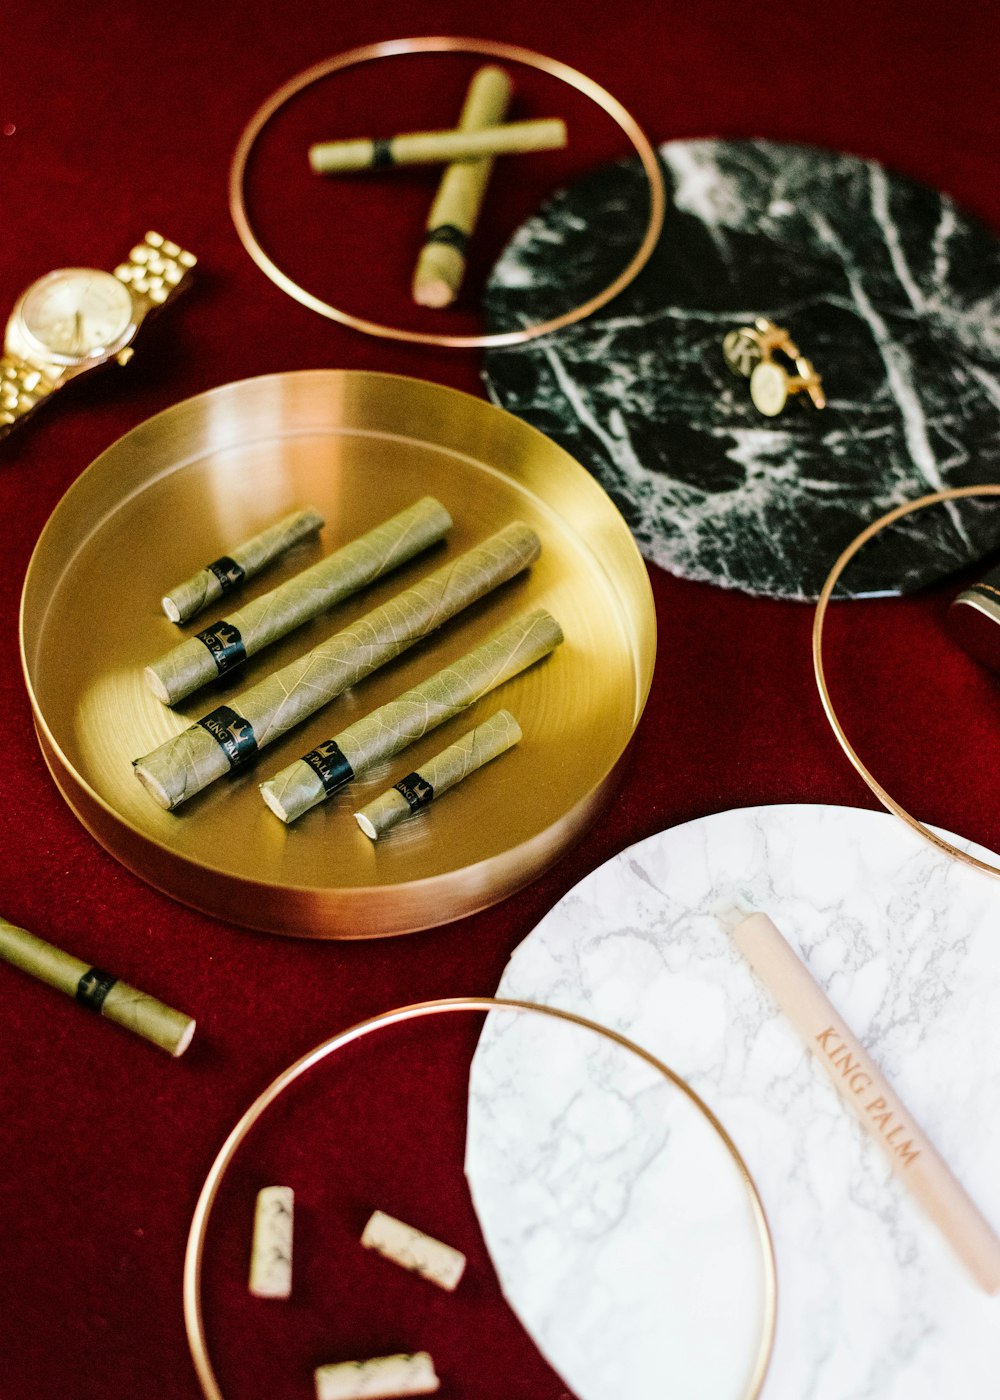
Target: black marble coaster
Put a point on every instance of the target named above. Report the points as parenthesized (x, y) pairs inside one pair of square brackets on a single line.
[(886, 286)]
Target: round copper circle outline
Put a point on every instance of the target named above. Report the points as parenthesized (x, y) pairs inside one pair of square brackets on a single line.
[(194, 1322), (512, 53), (953, 493)]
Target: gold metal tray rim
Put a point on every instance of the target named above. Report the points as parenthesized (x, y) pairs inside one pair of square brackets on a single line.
[(534, 855)]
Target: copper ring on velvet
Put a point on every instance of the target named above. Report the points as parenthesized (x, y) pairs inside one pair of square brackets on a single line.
[(194, 1321), (512, 53), (954, 493)]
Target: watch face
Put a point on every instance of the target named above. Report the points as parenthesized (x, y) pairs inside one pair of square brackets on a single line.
[(77, 313)]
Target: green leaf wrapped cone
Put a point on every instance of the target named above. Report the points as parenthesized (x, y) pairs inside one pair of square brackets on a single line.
[(231, 734), (439, 774), (96, 989), (203, 658), (393, 727), (249, 558)]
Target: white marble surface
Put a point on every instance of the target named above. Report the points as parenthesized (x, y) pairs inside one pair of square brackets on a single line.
[(590, 1168), (872, 1304)]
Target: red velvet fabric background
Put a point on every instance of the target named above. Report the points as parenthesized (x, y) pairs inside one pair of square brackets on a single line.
[(114, 119)]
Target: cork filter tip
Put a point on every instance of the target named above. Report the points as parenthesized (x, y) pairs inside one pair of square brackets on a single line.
[(267, 792), (153, 681), (435, 293), (185, 1040)]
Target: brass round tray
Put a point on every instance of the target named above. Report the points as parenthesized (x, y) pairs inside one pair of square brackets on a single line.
[(180, 490)]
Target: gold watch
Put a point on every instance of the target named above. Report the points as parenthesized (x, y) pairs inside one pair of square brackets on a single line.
[(77, 318)]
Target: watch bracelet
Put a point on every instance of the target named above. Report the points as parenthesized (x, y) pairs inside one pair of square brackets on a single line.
[(22, 386), (154, 270)]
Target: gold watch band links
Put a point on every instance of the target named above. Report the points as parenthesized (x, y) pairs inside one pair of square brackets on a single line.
[(155, 268), (21, 388)]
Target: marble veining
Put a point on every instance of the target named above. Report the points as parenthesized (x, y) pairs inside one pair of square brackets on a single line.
[(890, 289), (873, 1305), (612, 1156)]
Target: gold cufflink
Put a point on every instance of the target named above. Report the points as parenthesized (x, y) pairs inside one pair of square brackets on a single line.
[(746, 347), (749, 352), (771, 384)]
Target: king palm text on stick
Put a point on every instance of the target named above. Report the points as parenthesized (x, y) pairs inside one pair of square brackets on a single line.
[(229, 736), (861, 1084), (437, 147)]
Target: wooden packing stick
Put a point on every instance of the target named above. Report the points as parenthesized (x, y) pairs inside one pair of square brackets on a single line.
[(440, 773), (96, 990), (861, 1084), (271, 1251), (225, 645), (228, 738), (248, 559), (392, 727), (407, 1373), (413, 1250), (455, 211), (438, 147)]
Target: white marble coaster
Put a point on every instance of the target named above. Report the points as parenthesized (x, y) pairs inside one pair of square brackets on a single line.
[(872, 1304), (590, 1140)]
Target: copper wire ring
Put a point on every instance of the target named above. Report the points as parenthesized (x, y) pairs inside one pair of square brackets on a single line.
[(512, 53), (954, 493), (194, 1323)]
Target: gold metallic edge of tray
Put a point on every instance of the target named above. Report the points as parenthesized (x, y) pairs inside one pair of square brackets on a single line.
[(335, 911), (354, 912)]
